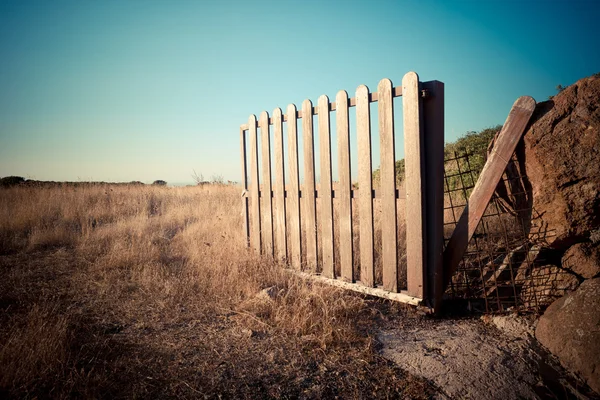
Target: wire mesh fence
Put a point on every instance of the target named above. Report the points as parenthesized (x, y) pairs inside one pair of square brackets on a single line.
[(506, 266)]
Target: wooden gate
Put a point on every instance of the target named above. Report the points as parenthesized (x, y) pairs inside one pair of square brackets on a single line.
[(275, 226)]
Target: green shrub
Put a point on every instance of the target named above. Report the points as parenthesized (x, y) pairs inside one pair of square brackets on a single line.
[(473, 143)]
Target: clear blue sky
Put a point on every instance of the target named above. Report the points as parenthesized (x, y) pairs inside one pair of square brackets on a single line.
[(145, 90)]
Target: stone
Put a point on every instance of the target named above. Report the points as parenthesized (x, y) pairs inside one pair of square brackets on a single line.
[(570, 330), (583, 259), (561, 153), (546, 284), (268, 293)]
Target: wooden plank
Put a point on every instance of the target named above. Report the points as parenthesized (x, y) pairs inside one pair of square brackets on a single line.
[(505, 145), (433, 115), (246, 222), (279, 194), (365, 184), (294, 192), (344, 187), (389, 234), (255, 234), (359, 287), (414, 150), (325, 196), (267, 209), (308, 196)]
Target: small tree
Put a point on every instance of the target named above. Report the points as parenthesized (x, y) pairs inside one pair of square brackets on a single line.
[(11, 181), (159, 182)]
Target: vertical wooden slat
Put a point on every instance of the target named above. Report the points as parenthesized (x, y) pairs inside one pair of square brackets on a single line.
[(308, 194), (325, 198), (267, 212), (279, 185), (388, 186), (245, 185), (344, 187), (294, 190), (433, 115), (255, 234), (365, 186), (414, 151)]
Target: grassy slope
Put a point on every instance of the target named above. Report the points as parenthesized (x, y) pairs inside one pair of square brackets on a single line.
[(129, 291)]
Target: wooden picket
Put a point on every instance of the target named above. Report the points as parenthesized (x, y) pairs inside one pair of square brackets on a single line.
[(326, 200), (365, 182), (294, 192), (279, 232)]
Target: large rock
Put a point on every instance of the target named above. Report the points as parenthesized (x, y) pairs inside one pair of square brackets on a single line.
[(570, 329), (562, 159), (583, 259)]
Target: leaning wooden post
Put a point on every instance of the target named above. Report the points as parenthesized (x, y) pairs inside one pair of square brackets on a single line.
[(503, 149), (433, 114)]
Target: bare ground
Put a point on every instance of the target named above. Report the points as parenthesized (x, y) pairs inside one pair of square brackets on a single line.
[(146, 292)]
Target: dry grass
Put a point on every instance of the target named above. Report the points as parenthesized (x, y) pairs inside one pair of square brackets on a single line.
[(128, 291)]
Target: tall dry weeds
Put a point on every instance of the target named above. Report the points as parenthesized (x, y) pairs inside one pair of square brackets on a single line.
[(129, 291)]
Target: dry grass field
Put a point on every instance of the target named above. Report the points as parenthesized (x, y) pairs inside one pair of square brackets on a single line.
[(143, 291)]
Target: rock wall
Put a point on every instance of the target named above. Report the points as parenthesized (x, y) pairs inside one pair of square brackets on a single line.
[(562, 160)]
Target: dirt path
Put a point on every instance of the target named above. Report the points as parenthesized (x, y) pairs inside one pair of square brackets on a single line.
[(496, 358)]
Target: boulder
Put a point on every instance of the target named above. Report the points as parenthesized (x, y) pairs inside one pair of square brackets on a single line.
[(583, 259), (578, 347), (562, 153)]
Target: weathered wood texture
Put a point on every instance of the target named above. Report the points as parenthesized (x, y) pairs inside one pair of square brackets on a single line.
[(279, 192), (344, 187), (326, 202), (365, 183), (310, 216), (414, 150), (255, 234), (267, 213), (505, 145), (246, 222), (294, 195), (282, 231), (389, 240), (373, 98), (402, 297), (433, 111)]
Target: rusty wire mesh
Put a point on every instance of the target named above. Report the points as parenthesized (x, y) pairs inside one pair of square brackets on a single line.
[(506, 266)]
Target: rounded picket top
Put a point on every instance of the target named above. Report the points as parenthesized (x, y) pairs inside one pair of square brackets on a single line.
[(323, 99), (291, 109), (277, 113), (264, 115), (252, 121), (361, 90), (306, 108), (341, 96), (410, 79), (384, 84)]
